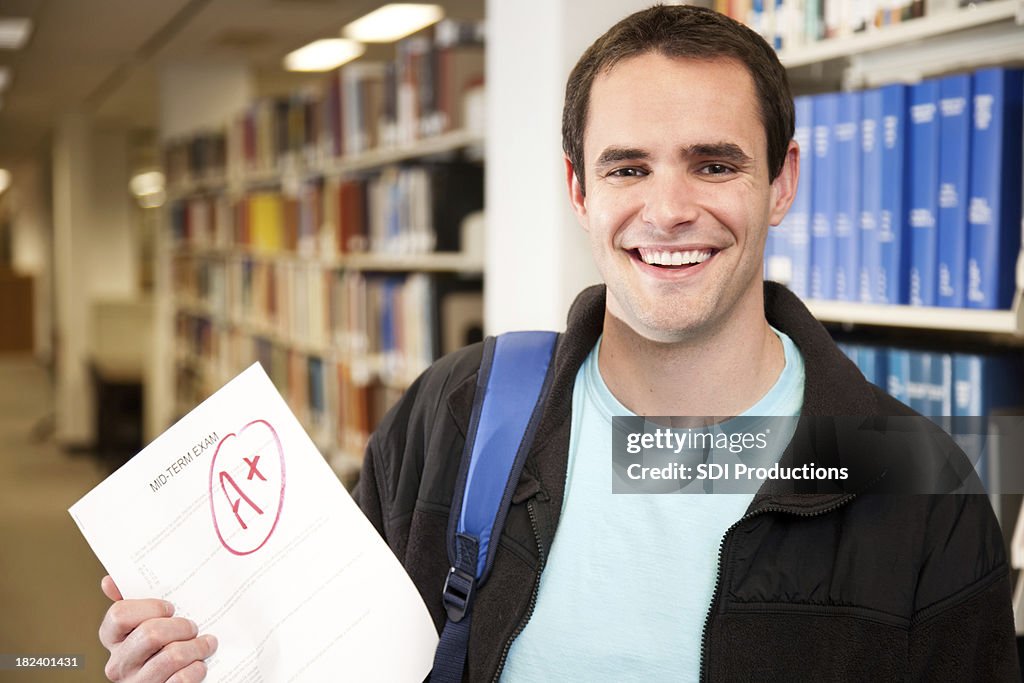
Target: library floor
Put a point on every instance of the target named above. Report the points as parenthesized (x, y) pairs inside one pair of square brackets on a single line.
[(50, 601)]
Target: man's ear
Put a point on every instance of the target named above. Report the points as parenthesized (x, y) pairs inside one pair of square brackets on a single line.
[(576, 196), (783, 189)]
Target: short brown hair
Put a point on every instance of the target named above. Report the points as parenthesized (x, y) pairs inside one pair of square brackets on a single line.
[(687, 32)]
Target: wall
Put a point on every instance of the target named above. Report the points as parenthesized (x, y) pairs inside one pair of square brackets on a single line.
[(94, 257)]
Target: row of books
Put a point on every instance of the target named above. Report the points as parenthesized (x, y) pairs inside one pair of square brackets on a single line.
[(337, 409), (908, 194), (946, 387), (203, 155), (392, 326), (382, 332), (789, 24), (357, 108), (412, 209), (938, 384)]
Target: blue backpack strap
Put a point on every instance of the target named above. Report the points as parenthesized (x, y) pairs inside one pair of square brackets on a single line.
[(514, 378)]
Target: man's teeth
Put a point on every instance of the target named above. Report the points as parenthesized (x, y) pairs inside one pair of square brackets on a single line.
[(655, 257)]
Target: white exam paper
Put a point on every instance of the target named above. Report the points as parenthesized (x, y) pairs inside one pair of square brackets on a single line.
[(234, 517)]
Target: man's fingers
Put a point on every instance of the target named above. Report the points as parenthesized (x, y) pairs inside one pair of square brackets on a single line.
[(148, 639), (180, 659), (153, 635), (109, 588), (196, 671), (125, 615)]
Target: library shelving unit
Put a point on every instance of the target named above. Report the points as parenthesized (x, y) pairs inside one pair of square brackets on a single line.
[(334, 236), (952, 39), (986, 32), (942, 361), (1009, 323)]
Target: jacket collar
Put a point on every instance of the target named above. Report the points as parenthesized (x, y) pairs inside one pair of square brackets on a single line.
[(825, 365), (827, 370)]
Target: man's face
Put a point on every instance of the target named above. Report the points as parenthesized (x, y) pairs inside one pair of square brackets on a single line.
[(678, 201)]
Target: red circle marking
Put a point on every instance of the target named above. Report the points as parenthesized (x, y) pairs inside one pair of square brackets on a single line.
[(280, 502)]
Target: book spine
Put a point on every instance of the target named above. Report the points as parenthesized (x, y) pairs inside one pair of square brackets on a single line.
[(876, 364), (893, 235), (824, 186), (798, 221), (995, 188), (898, 375), (923, 195), (954, 175), (871, 195), (848, 196), (918, 375), (940, 389)]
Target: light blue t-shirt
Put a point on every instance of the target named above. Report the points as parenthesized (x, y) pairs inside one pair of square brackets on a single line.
[(629, 579)]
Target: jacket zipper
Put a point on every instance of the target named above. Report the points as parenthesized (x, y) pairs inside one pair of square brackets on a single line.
[(533, 595), (704, 675)]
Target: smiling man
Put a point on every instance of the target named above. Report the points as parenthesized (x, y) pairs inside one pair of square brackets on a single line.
[(677, 132)]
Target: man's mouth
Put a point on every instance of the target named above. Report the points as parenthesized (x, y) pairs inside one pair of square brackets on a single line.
[(672, 259)]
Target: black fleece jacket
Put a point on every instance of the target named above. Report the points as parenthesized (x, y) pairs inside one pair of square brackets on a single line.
[(816, 587)]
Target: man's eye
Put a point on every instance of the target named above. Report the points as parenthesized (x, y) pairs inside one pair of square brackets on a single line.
[(716, 169), (629, 172)]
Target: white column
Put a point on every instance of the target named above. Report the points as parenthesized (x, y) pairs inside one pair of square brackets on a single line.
[(194, 97), (71, 211), (113, 246), (95, 257), (537, 257)]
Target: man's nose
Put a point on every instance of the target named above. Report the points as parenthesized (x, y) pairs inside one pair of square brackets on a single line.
[(670, 201)]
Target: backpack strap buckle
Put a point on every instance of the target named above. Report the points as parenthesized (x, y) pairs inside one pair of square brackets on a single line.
[(458, 593)]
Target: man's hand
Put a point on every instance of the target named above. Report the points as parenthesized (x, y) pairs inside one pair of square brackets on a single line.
[(148, 643)]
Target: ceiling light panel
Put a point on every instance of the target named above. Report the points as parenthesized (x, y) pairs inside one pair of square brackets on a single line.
[(323, 55), (14, 32), (391, 22)]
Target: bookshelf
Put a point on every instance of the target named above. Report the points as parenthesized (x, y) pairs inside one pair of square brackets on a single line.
[(938, 356), (948, 39), (1009, 324), (333, 234), (947, 25)]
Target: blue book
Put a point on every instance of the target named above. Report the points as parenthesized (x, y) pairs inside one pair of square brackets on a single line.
[(890, 282), (823, 246), (873, 362), (847, 215), (798, 220), (923, 131), (981, 384), (954, 174), (388, 320), (919, 371), (940, 389), (994, 211), (898, 374), (871, 194), (968, 409)]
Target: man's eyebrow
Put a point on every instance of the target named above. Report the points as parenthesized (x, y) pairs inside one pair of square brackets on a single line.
[(726, 151), (613, 155)]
